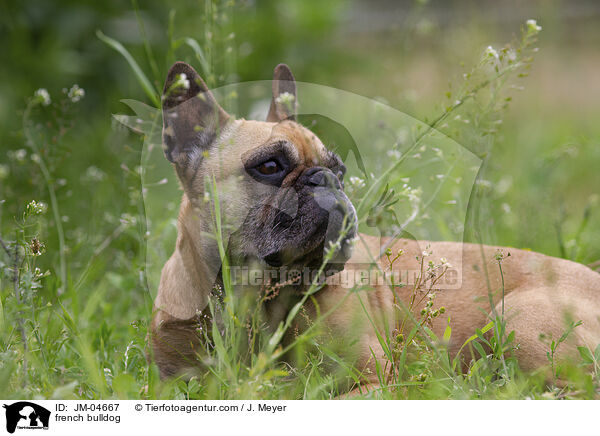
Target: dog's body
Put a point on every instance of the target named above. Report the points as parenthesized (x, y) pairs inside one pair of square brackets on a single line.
[(285, 214)]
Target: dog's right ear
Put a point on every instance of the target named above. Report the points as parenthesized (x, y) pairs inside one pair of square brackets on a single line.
[(192, 118)]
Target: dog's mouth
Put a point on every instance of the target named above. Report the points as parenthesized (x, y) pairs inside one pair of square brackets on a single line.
[(335, 252), (280, 258), (330, 242)]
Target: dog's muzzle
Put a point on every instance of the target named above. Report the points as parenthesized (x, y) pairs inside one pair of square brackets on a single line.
[(342, 222), (326, 222)]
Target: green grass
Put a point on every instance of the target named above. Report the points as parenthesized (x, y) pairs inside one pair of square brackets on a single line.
[(78, 327)]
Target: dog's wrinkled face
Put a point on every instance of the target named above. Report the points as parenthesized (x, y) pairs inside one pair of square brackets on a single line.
[(297, 206), (280, 189)]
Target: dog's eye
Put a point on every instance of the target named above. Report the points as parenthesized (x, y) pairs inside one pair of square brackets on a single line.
[(270, 170), (269, 167)]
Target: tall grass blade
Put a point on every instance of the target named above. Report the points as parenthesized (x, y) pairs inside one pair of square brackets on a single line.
[(150, 91)]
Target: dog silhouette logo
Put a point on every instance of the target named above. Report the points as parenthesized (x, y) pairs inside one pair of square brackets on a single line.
[(26, 415)]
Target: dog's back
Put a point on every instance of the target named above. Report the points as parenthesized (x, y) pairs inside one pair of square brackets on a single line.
[(538, 294)]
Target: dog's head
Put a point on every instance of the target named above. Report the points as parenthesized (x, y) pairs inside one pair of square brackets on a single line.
[(280, 191)]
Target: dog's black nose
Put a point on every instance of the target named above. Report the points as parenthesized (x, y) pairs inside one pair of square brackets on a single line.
[(320, 176)]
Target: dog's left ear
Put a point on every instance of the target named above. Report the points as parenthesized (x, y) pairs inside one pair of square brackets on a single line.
[(192, 118), (284, 102)]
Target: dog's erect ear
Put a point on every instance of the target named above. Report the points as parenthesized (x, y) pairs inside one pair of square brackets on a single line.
[(192, 118), (284, 101)]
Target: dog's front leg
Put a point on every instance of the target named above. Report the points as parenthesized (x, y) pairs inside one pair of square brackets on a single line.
[(175, 343)]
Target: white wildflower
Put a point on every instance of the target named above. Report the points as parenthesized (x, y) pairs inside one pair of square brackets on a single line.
[(491, 52), (286, 99), (18, 155), (444, 262), (36, 208), (357, 182), (182, 81), (42, 97), (76, 93), (533, 27)]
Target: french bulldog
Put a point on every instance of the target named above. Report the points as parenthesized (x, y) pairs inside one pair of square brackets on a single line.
[(280, 195)]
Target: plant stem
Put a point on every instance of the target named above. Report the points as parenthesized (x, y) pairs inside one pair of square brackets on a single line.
[(53, 200), (502, 276), (20, 323), (431, 127)]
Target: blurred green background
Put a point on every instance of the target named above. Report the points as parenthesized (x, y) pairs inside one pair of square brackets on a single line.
[(541, 179), (546, 155)]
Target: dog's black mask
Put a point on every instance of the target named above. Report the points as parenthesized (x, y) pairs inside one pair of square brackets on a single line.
[(306, 219)]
